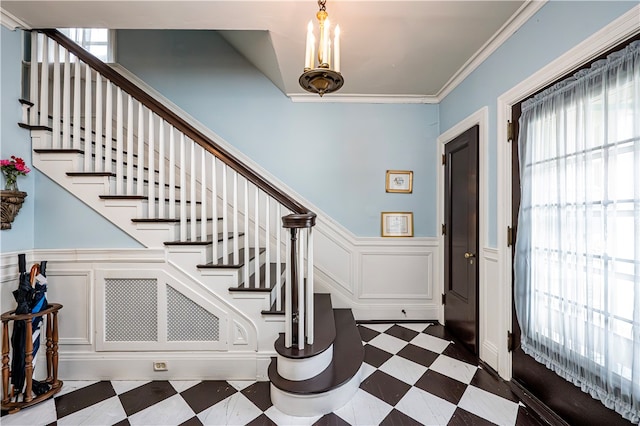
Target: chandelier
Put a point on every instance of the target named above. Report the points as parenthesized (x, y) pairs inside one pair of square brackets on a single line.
[(319, 76)]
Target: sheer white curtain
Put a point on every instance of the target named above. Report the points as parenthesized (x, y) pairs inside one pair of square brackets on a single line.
[(577, 264)]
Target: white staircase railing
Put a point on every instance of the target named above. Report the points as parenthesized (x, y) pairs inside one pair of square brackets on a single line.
[(152, 154)]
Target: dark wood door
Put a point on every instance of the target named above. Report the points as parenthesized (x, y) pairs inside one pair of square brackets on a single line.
[(461, 238)]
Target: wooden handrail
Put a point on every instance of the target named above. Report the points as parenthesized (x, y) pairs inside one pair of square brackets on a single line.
[(175, 120)]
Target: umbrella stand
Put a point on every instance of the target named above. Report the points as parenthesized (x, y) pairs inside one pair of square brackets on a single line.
[(9, 390)]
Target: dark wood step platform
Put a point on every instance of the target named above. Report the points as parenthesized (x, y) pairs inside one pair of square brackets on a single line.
[(324, 333), (348, 355)]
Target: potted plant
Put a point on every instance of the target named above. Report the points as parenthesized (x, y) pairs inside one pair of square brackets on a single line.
[(11, 198)]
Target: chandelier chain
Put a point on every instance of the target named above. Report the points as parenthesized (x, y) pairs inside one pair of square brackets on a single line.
[(322, 5)]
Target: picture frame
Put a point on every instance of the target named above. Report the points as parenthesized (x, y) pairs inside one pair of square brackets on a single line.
[(396, 224), (399, 181)]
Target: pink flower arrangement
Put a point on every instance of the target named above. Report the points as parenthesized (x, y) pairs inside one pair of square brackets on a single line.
[(11, 169)]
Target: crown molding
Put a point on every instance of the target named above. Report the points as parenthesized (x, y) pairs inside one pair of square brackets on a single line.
[(11, 22), (522, 15), (364, 99)]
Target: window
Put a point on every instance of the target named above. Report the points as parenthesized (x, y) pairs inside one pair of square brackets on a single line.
[(97, 41), (577, 261)]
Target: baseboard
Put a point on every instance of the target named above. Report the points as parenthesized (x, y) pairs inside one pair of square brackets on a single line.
[(189, 366), (398, 321)]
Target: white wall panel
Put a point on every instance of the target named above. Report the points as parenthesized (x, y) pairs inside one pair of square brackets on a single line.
[(491, 336), (73, 289), (333, 259), (396, 274)]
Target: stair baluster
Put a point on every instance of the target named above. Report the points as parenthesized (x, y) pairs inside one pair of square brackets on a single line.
[(57, 143), (44, 81), (97, 160), (88, 116)]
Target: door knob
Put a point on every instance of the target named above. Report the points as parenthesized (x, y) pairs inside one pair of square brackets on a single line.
[(468, 255)]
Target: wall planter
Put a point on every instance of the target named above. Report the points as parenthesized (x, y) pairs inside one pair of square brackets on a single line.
[(10, 202)]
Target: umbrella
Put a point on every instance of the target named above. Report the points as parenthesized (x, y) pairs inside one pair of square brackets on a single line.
[(23, 295), (38, 303)]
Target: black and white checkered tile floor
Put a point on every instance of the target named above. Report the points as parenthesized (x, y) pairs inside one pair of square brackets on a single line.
[(413, 374)]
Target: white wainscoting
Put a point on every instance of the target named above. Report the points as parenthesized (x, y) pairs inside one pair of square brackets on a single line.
[(74, 281), (490, 336), (378, 278)]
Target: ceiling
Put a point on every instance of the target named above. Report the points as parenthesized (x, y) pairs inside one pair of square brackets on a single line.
[(411, 51)]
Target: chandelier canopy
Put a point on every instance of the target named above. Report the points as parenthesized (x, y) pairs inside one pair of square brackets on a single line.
[(319, 76)]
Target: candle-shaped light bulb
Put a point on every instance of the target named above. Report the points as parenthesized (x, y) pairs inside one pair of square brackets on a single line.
[(336, 49), (308, 56), (327, 40), (312, 60)]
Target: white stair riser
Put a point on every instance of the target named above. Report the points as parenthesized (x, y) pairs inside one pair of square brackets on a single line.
[(305, 368), (315, 404)]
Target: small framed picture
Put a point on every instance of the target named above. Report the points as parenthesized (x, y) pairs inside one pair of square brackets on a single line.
[(397, 224), (399, 181)]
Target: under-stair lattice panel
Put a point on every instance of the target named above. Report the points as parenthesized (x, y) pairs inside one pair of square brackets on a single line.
[(130, 310), (188, 321)]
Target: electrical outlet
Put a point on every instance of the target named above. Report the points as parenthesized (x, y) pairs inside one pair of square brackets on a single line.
[(160, 366)]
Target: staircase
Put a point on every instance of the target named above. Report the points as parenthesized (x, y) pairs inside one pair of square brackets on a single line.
[(225, 230)]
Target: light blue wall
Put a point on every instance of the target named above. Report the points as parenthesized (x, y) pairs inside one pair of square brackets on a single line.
[(334, 155), (14, 140), (64, 222), (50, 216), (556, 27)]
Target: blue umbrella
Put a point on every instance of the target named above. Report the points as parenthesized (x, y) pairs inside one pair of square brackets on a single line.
[(23, 295), (38, 303)]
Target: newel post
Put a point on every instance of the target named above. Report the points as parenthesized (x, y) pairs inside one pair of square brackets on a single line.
[(299, 293)]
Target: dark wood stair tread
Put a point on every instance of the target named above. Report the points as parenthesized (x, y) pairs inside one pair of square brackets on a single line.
[(208, 241), (273, 309), (250, 286), (123, 197), (108, 174), (325, 331), (229, 263), (167, 220), (139, 197), (34, 127), (111, 174), (348, 355), (59, 151)]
